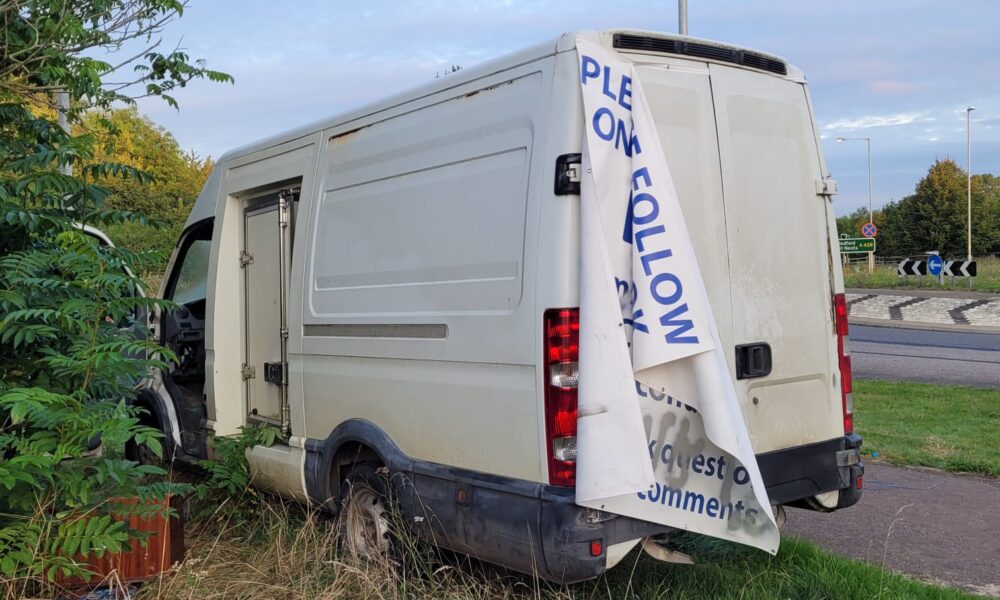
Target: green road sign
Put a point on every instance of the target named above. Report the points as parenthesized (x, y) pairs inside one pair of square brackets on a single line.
[(857, 245)]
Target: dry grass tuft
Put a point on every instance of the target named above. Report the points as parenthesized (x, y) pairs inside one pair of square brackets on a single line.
[(292, 553)]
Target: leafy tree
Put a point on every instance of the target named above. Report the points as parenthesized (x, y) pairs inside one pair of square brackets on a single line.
[(934, 216), (127, 137), (71, 345), (851, 224)]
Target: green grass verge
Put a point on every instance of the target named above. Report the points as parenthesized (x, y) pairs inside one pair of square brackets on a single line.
[(946, 427), (988, 279), (726, 571), (290, 553)]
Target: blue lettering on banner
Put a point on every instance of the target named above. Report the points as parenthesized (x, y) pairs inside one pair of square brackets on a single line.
[(606, 126), (629, 141), (648, 392), (635, 322), (674, 497), (627, 233), (604, 111), (589, 68), (664, 287), (643, 209)]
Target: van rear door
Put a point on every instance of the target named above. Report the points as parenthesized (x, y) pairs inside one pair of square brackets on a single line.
[(779, 256), (743, 154)]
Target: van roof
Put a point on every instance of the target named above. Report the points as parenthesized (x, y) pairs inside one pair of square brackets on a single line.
[(628, 40)]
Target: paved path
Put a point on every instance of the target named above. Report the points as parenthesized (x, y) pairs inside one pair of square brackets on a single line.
[(943, 357), (935, 526), (929, 307)]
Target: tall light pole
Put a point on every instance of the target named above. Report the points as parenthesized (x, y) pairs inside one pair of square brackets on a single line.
[(868, 142), (682, 17), (968, 197)]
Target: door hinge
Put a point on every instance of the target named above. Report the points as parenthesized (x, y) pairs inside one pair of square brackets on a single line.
[(245, 258), (826, 187), (248, 372)]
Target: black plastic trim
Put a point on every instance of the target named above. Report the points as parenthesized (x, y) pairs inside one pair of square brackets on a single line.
[(746, 58), (564, 186), (532, 527), (523, 525), (798, 473), (753, 360)]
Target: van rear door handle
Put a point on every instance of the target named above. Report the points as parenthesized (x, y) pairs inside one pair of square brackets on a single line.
[(753, 360)]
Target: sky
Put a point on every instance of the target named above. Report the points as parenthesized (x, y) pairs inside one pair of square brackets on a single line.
[(900, 72)]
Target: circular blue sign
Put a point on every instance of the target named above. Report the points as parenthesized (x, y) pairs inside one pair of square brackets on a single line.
[(934, 264), (869, 230)]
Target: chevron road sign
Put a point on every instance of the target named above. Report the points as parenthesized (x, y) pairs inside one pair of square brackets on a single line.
[(911, 267), (958, 268)]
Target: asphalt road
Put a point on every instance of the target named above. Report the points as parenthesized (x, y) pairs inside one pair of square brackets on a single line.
[(935, 526), (928, 356)]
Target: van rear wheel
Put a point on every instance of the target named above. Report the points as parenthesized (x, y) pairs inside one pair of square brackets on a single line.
[(364, 515)]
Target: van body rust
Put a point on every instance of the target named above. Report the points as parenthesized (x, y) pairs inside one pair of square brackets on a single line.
[(383, 285)]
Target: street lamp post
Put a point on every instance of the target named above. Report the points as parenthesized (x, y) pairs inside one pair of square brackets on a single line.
[(968, 197), (868, 143)]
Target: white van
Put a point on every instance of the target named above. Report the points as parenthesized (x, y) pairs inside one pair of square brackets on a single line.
[(380, 286)]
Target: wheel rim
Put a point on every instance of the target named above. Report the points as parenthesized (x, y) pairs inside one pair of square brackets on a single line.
[(366, 523)]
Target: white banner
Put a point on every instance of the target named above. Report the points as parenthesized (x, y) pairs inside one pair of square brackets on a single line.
[(660, 436)]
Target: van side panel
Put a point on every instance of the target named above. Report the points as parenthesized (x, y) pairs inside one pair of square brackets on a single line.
[(416, 315)]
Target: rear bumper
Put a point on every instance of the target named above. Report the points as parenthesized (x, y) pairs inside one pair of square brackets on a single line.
[(539, 529), (794, 475), (528, 527)]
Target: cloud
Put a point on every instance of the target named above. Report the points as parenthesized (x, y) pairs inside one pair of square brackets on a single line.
[(870, 121), (889, 86)]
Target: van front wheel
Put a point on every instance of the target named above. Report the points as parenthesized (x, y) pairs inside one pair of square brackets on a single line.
[(364, 515)]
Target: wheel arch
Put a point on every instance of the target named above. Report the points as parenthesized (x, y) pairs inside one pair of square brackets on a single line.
[(354, 440), (159, 417)]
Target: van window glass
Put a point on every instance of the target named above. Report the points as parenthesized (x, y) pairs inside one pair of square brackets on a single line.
[(192, 279)]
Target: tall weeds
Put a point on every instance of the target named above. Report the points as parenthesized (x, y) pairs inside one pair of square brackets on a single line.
[(294, 553)]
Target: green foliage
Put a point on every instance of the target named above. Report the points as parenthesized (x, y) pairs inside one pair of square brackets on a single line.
[(45, 46), (72, 313), (935, 216), (124, 136), (229, 473), (884, 276), (851, 224)]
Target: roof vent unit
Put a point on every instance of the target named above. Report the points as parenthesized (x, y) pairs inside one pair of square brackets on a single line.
[(645, 43)]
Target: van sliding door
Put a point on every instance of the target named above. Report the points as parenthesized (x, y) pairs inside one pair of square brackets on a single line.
[(266, 260)]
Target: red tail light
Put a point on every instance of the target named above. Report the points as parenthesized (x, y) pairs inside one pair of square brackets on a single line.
[(562, 350), (844, 356)]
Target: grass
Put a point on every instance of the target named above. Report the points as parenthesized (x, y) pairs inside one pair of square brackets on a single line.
[(278, 549), (947, 427), (293, 555), (988, 279)]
